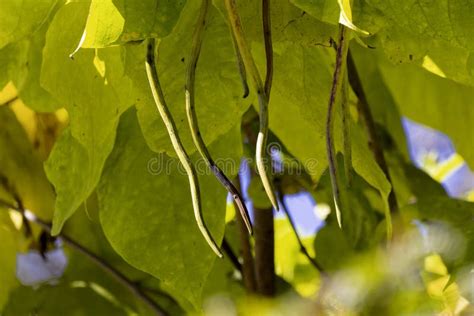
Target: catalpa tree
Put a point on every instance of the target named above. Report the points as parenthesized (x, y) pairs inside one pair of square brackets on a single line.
[(150, 150)]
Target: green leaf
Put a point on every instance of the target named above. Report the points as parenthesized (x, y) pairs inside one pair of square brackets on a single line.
[(324, 10), (346, 16), (219, 102), (290, 263), (22, 60), (412, 31), (84, 227), (437, 32), (358, 12), (447, 20), (95, 91), (364, 205), (381, 102), (8, 56), (119, 21), (21, 18), (289, 23), (439, 103), (29, 88), (298, 106), (67, 297), (8, 248), (458, 215), (332, 247), (223, 277), (293, 110), (147, 215), (411, 183), (75, 172)]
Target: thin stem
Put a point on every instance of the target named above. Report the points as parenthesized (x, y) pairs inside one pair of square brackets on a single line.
[(374, 142), (330, 148), (14, 194), (100, 262), (177, 145), (346, 127), (231, 255), (250, 66), (248, 266), (295, 231), (193, 121)]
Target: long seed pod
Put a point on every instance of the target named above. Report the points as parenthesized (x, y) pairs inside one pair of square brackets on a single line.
[(267, 37), (193, 121), (177, 145), (336, 87), (250, 66), (346, 126)]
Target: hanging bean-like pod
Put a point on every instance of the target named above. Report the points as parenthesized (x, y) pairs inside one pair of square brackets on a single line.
[(261, 159), (177, 145), (192, 117), (335, 88)]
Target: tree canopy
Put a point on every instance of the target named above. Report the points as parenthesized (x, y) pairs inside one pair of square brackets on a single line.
[(124, 124)]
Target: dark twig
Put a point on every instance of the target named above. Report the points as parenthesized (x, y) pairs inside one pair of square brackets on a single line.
[(248, 265), (374, 142), (295, 231), (264, 235), (264, 225), (117, 275), (14, 194), (264, 251), (231, 255)]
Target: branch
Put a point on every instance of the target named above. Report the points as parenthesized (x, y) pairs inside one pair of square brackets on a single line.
[(374, 142), (264, 237), (177, 145), (265, 251), (117, 275), (193, 121), (251, 67), (295, 231), (14, 194), (331, 152), (264, 222), (248, 267), (232, 257)]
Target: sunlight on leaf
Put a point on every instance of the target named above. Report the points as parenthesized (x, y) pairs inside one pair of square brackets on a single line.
[(345, 16)]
